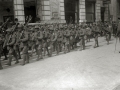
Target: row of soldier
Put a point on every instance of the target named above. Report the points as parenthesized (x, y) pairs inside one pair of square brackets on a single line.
[(44, 38)]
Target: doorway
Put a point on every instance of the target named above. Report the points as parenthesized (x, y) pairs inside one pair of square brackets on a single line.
[(71, 11), (30, 9), (90, 11)]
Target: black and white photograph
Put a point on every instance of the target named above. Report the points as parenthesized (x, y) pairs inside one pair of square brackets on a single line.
[(59, 44)]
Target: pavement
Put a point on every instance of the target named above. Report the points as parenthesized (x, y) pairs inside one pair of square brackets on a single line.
[(90, 69)]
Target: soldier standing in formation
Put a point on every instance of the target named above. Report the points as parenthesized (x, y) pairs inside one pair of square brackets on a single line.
[(10, 46), (44, 39)]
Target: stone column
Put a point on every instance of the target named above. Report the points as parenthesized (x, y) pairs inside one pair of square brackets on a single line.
[(62, 12), (98, 10), (82, 11), (19, 10)]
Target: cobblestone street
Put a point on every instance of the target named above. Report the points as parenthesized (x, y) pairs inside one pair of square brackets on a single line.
[(91, 69)]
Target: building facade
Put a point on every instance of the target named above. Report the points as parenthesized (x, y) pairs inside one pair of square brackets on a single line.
[(61, 11)]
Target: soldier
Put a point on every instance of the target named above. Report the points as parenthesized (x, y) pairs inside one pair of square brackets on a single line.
[(24, 37), (81, 37), (39, 43), (34, 39), (67, 44), (95, 35), (110, 29), (10, 45), (59, 41), (54, 40), (45, 44), (17, 44), (1, 49), (88, 32), (50, 41)]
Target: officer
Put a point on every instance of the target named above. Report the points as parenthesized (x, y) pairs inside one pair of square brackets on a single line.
[(24, 37), (10, 44)]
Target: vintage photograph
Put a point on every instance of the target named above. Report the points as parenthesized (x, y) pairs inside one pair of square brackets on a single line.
[(59, 44)]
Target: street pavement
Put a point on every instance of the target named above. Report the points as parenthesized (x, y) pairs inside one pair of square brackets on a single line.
[(90, 69)]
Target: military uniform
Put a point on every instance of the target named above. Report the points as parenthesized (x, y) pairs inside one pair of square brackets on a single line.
[(95, 35), (10, 46), (67, 44), (82, 40), (39, 44), (17, 44), (1, 49), (45, 43), (24, 39)]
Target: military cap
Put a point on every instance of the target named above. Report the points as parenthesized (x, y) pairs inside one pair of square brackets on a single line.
[(9, 30), (36, 27)]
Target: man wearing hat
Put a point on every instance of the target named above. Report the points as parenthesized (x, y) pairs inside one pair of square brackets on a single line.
[(10, 44)]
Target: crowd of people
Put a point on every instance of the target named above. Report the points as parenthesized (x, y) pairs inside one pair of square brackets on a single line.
[(44, 39)]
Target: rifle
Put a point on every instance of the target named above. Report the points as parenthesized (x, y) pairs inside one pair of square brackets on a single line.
[(4, 23), (30, 18), (7, 42)]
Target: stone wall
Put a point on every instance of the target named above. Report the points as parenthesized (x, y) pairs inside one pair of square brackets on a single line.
[(3, 11)]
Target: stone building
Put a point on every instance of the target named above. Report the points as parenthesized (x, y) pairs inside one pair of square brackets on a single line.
[(60, 11)]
